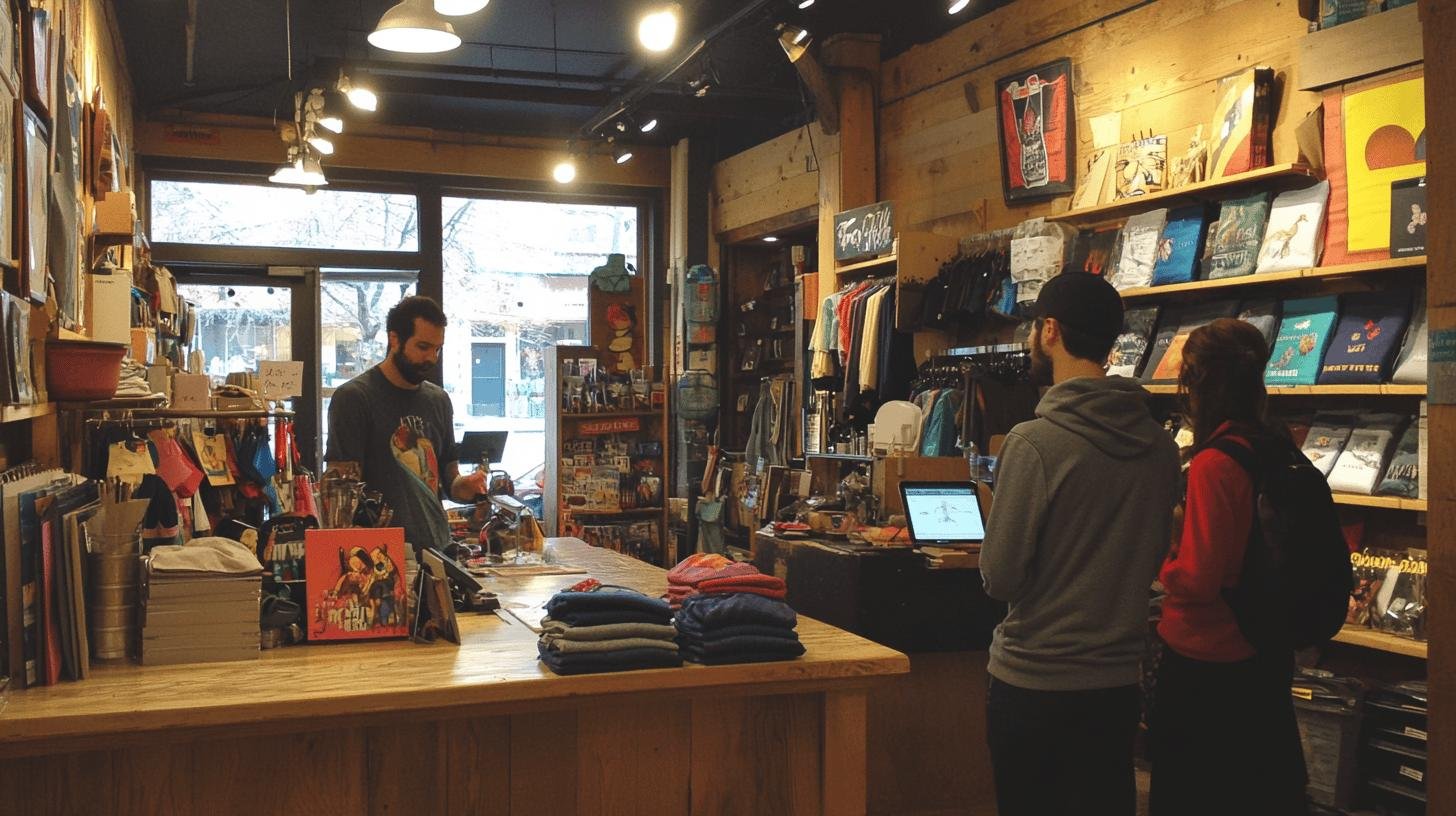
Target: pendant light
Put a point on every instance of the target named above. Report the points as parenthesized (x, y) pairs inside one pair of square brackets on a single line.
[(459, 8), (657, 30), (414, 27)]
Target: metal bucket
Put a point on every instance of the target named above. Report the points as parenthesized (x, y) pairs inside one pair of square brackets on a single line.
[(112, 605)]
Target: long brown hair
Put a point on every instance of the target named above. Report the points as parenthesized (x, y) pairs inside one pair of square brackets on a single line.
[(1222, 378)]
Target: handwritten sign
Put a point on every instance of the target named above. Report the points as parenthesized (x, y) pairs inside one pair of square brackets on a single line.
[(281, 378), (864, 231)]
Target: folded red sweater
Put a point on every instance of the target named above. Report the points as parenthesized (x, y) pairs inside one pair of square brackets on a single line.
[(707, 566)]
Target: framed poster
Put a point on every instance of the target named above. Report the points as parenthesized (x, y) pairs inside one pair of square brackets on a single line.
[(9, 48), (9, 180), (37, 60), (36, 204), (1035, 118), (355, 583)]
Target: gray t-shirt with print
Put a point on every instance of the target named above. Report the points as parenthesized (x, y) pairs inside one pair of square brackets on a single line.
[(402, 438)]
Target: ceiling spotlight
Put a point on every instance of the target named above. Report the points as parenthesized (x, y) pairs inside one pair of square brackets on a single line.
[(290, 171), (622, 155), (565, 172), (459, 8), (773, 239), (315, 110), (794, 40), (958, 6), (359, 96), (414, 27), (803, 4), (312, 173), (621, 125), (648, 126), (658, 29), (319, 143)]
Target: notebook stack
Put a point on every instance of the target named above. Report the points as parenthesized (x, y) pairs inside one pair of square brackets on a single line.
[(200, 603)]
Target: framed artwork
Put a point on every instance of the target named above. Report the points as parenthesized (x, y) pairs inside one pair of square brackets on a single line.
[(355, 583), (9, 48), (36, 200), (37, 61), (1035, 122), (9, 180)]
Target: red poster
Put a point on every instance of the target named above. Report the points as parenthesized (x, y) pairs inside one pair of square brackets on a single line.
[(1034, 110), (356, 583)]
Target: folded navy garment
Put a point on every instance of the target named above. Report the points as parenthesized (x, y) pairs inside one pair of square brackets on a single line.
[(688, 629), (735, 609), (749, 644), (737, 657), (607, 605), (597, 662)]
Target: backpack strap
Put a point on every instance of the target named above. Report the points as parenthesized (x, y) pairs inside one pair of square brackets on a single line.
[(1244, 456)]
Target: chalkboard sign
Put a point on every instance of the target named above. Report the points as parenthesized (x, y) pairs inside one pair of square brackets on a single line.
[(864, 231)]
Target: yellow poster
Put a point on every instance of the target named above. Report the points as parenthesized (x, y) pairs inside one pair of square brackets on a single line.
[(1385, 141)]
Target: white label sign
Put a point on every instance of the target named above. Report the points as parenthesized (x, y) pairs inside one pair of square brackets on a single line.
[(281, 378)]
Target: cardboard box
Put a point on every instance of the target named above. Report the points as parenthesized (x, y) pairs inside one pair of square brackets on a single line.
[(108, 307), (116, 214), (159, 379), (144, 345), (191, 392)]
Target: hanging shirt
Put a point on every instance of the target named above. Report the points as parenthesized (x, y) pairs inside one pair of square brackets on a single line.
[(844, 312), (869, 365)]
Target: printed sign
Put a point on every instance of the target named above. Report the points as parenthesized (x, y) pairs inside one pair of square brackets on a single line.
[(281, 379), (608, 426), (864, 231)]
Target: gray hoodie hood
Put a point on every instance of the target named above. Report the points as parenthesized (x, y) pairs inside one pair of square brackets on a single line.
[(1109, 412)]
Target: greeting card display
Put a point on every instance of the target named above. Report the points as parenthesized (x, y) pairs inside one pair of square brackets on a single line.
[(356, 584), (1034, 110)]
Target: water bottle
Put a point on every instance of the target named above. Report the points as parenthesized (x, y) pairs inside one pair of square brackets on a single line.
[(973, 460)]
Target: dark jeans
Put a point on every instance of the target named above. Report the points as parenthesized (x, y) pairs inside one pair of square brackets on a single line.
[(1223, 739), (1062, 752)]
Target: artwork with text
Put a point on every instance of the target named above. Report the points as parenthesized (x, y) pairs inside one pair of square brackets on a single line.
[(356, 583)]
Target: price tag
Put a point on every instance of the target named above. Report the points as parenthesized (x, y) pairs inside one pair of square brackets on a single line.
[(1415, 733), (281, 379), (1412, 773)]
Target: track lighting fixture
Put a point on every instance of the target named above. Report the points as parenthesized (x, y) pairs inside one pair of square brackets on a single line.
[(318, 142), (958, 6), (794, 40), (657, 30), (648, 126), (803, 4), (414, 27), (316, 111), (622, 155), (564, 172), (358, 95)]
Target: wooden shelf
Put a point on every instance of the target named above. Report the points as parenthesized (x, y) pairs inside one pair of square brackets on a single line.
[(67, 334), (1371, 639), (1334, 271), (17, 413), (840, 457), (850, 269), (1202, 190), (635, 511), (1383, 502), (612, 415), (1385, 390)]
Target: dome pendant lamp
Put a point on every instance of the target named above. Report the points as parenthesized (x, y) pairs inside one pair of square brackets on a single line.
[(414, 27)]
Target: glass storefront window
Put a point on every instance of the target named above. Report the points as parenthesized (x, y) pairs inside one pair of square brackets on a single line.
[(266, 215)]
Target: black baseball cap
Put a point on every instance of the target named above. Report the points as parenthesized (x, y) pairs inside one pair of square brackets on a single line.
[(1084, 302)]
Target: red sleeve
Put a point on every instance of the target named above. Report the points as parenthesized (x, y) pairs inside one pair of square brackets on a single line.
[(1217, 519)]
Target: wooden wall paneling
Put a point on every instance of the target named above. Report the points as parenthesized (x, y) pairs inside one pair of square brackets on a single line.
[(1157, 63), (543, 777), (478, 766), (986, 39), (768, 180), (311, 772), (828, 200), (1439, 20), (408, 769), (1360, 48), (753, 755), (631, 758), (158, 779), (844, 752), (749, 212)]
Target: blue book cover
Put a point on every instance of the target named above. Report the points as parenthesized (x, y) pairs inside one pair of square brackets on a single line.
[(1303, 334), (1367, 338), (1180, 246)]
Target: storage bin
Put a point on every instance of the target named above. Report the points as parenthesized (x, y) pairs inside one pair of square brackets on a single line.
[(82, 369)]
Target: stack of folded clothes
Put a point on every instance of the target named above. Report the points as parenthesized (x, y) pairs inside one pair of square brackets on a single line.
[(738, 627), (709, 574), (592, 628)]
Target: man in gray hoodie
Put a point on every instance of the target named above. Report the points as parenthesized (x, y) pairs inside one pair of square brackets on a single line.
[(1080, 522)]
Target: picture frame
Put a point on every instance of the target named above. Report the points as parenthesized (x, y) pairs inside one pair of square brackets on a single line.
[(355, 584), (36, 41), (9, 182), (9, 47), (36, 198), (1036, 128)]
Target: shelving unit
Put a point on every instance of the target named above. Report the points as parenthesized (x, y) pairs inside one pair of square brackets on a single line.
[(1383, 502), (860, 266), (18, 413), (1313, 273), (1371, 639), (1382, 390), (1203, 190)]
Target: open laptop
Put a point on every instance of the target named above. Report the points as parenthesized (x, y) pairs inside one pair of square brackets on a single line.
[(943, 514)]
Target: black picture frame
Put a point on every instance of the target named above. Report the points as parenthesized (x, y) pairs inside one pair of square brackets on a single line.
[(1036, 126)]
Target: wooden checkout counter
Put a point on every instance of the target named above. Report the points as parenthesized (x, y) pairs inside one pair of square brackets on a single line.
[(395, 727)]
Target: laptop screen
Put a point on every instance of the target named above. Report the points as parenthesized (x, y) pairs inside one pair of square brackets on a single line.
[(945, 513)]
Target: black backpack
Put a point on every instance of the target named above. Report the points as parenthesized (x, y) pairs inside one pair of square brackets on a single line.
[(1294, 589)]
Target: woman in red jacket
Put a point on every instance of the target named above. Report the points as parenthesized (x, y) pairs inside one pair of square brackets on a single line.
[(1223, 734)]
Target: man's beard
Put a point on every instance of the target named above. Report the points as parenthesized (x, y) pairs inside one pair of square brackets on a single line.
[(413, 373), (1041, 364)]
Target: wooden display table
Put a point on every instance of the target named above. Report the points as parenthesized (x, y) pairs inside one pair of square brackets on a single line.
[(395, 727)]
